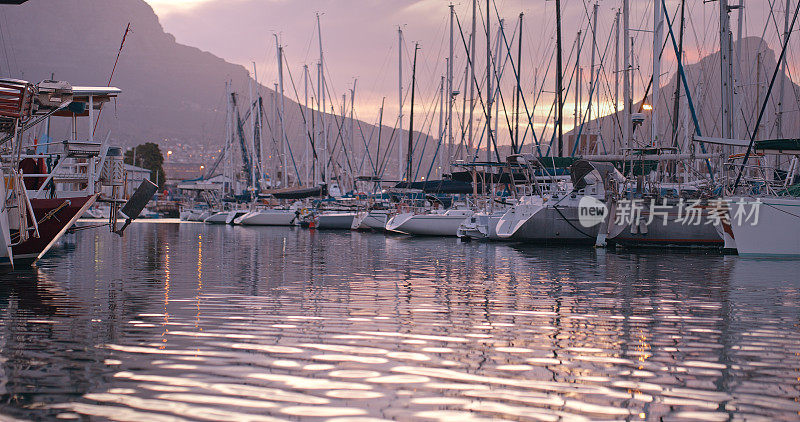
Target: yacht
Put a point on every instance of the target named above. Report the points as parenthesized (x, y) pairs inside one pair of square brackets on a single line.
[(429, 223)]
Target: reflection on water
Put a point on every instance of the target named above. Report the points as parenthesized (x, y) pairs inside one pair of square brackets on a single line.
[(207, 323)]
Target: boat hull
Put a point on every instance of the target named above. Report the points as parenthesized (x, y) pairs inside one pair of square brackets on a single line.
[(372, 220), (775, 234), (54, 217), (427, 224), (480, 226), (551, 225), (224, 217), (335, 221), (269, 218), (671, 234)]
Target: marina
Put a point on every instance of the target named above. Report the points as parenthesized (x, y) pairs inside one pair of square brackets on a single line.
[(486, 210)]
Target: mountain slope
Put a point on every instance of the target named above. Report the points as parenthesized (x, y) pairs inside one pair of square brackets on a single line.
[(172, 93)]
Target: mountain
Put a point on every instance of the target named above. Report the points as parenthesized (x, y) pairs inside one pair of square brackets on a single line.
[(175, 94), (169, 90), (703, 77), (172, 94)]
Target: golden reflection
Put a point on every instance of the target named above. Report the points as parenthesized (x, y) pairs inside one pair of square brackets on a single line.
[(199, 280), (166, 297)]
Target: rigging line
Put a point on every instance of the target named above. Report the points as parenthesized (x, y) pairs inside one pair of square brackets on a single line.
[(366, 147), (302, 108), (385, 160), (424, 145), (440, 135), (788, 67), (566, 91), (499, 74), (517, 77), (490, 93), (477, 88), (769, 91), (269, 128), (573, 49), (601, 69), (334, 151), (535, 102), (119, 52), (289, 146), (428, 115), (686, 85), (499, 92), (646, 91), (380, 132), (594, 86), (675, 113)]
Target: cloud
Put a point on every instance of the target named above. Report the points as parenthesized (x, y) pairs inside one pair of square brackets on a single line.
[(166, 7)]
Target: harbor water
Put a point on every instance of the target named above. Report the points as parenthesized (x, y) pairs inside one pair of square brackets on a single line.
[(200, 322)]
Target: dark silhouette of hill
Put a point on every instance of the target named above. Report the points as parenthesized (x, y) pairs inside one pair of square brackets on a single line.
[(703, 77), (170, 91)]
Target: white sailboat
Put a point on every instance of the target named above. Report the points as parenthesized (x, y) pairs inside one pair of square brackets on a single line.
[(433, 223), (775, 231), (481, 225), (269, 217), (371, 220)]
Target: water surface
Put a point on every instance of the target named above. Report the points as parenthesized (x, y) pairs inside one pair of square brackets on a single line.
[(197, 322)]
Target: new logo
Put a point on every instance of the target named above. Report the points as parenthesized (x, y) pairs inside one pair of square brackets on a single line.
[(591, 211)]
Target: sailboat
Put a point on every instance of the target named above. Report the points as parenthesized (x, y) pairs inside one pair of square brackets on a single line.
[(551, 213), (764, 216)]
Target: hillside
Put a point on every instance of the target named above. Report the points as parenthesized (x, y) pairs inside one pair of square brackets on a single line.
[(703, 77), (172, 93)]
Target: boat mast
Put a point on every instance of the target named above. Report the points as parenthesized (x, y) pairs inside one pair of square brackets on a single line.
[(441, 123), (352, 124), (559, 76), (275, 127), (626, 76), (449, 150), (592, 124), (782, 94), (284, 165), (516, 144), (737, 119), (497, 74), (252, 140), (726, 50), (658, 27), (305, 125), (378, 149), (409, 176), (576, 114), (400, 101), (676, 104), (489, 94), (616, 79), (227, 183), (321, 90), (472, 80)]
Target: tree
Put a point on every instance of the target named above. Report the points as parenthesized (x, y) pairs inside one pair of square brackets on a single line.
[(148, 155)]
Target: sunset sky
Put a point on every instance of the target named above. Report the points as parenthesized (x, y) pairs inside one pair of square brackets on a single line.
[(360, 41)]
